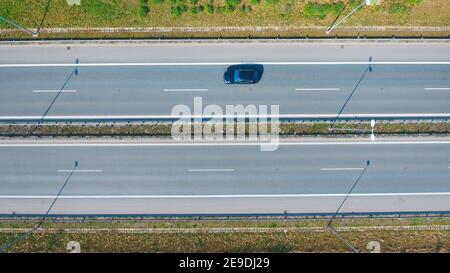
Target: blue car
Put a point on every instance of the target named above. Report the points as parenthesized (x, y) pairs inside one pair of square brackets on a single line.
[(243, 74)]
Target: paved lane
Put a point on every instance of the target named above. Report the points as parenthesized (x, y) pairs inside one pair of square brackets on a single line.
[(154, 90), (165, 179), (131, 91)]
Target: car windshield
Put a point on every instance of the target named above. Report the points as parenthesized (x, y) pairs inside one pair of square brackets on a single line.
[(244, 75)]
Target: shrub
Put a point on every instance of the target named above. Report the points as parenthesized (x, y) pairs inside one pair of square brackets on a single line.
[(210, 8), (178, 10), (272, 2), (414, 2), (194, 11), (194, 2), (322, 10), (232, 3), (143, 8), (158, 1), (397, 8), (245, 8), (229, 9), (255, 2), (143, 11)]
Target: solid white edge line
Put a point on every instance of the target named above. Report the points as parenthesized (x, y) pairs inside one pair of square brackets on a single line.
[(177, 144), (408, 115), (436, 88), (341, 169), (211, 170), (317, 89), (217, 63), (221, 196)]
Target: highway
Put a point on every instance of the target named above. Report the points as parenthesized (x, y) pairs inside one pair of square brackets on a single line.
[(304, 79), (230, 178)]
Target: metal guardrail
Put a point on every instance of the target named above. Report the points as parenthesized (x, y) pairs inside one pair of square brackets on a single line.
[(226, 217), (282, 118), (165, 39)]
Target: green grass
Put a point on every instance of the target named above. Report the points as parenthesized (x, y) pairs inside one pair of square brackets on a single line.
[(313, 9), (272, 2), (398, 8), (173, 13), (401, 7), (107, 11)]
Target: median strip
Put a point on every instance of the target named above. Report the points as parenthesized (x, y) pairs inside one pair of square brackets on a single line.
[(163, 130)]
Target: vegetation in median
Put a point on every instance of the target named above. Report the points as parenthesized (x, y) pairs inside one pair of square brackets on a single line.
[(286, 129)]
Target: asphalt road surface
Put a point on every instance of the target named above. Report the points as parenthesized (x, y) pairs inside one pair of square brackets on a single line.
[(252, 51), (158, 77), (314, 177)]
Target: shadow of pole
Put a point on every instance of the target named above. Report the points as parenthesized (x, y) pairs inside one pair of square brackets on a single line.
[(329, 224), (368, 69), (339, 15), (10, 244), (24, 29), (72, 73)]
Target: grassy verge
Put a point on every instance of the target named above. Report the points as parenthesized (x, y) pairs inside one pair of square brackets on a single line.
[(164, 130), (242, 223), (228, 13), (268, 241)]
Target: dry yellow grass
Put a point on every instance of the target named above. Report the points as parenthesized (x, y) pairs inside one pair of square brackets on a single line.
[(391, 241), (268, 241)]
